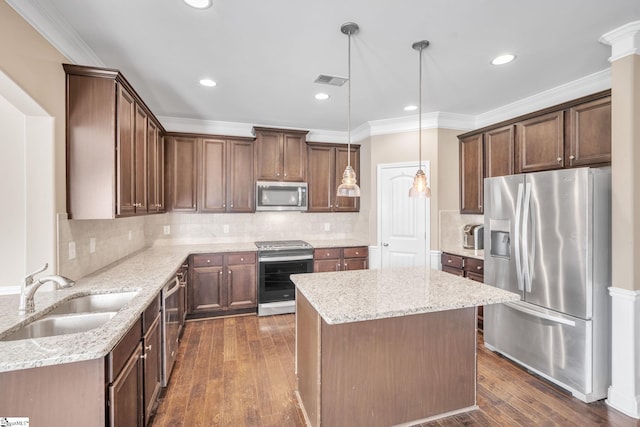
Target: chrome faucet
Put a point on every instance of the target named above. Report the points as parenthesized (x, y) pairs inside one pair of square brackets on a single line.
[(29, 288)]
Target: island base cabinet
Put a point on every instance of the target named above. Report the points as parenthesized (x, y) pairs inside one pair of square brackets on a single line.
[(44, 394), (384, 372)]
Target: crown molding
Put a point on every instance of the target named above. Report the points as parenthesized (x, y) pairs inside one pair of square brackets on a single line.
[(178, 124), (56, 30), (432, 120), (584, 86), (624, 41)]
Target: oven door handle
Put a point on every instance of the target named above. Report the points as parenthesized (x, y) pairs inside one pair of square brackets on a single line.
[(285, 258)]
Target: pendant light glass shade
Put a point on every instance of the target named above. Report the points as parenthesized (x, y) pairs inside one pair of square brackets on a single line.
[(349, 186), (420, 188)]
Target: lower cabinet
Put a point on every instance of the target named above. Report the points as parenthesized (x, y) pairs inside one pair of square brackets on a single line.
[(471, 268), (222, 283), (133, 371), (340, 259)]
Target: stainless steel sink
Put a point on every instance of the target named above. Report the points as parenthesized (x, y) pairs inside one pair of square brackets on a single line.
[(60, 325), (97, 303)]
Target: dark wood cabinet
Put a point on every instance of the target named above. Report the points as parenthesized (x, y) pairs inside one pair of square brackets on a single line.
[(471, 268), (155, 168), (182, 173), (326, 164), (340, 259), (107, 152), (222, 283), (210, 174), (589, 133), (125, 394), (540, 143), (281, 154), (471, 174), (152, 363), (498, 151)]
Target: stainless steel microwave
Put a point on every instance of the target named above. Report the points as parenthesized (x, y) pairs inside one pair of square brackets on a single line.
[(281, 196)]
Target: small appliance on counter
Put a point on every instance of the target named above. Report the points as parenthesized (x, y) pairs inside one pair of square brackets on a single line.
[(473, 236)]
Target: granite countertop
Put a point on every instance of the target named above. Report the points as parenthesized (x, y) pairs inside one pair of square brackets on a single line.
[(469, 253), (339, 243), (146, 272), (353, 296)]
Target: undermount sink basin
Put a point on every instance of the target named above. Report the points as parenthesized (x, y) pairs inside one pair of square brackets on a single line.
[(50, 326), (97, 303)]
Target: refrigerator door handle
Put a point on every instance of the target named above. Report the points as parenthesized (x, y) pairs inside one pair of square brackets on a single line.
[(525, 237), (516, 238), (546, 316)]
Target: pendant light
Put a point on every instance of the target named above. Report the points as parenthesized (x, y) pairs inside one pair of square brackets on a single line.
[(349, 186), (420, 187)]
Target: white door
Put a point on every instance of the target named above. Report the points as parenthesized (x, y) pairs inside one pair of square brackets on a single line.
[(403, 222)]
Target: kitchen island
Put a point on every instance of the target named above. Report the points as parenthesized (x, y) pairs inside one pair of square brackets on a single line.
[(387, 347)]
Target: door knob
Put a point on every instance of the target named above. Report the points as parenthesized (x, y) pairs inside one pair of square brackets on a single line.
[(385, 244)]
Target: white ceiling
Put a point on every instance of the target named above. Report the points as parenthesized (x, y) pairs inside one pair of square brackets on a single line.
[(266, 54)]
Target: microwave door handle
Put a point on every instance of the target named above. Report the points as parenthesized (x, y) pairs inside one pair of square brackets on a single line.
[(516, 238), (299, 196)]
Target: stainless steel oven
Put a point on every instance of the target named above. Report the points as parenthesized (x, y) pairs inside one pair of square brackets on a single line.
[(277, 260)]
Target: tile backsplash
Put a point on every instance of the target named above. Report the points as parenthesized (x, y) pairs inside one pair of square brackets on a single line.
[(99, 243), (451, 226)]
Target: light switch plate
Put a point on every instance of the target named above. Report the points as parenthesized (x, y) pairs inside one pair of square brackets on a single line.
[(72, 250), (92, 245), (327, 226), (167, 229), (225, 228)]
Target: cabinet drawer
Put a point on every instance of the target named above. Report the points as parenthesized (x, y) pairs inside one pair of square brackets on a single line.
[(474, 265), (357, 252), (451, 270), (454, 261), (475, 277), (207, 260), (242, 258), (327, 253), (121, 352)]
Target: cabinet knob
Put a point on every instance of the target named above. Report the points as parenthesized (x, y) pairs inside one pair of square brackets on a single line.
[(357, 253), (572, 157), (479, 267), (449, 260), (338, 267), (241, 259), (231, 204), (285, 174), (208, 261), (559, 159)]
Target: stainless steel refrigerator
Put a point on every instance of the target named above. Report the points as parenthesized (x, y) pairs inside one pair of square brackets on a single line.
[(548, 237)]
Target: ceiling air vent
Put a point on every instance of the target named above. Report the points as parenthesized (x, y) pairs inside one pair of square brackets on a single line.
[(330, 80)]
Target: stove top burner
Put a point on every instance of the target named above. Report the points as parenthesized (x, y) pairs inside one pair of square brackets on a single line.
[(276, 245)]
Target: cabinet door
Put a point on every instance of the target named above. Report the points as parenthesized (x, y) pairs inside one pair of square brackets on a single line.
[(294, 157), (346, 204), (206, 289), (241, 286), (141, 160), (241, 186), (182, 174), (268, 155), (590, 133), (471, 174), (324, 265), (152, 166), (540, 143), (160, 172), (125, 394), (126, 153), (214, 182), (498, 151), (320, 168), (354, 264), (152, 367)]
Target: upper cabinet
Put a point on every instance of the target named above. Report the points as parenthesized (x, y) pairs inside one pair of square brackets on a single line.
[(326, 164), (471, 174), (210, 174), (573, 134), (281, 155), (540, 144), (108, 128)]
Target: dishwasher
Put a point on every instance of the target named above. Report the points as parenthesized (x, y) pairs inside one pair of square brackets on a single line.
[(173, 318)]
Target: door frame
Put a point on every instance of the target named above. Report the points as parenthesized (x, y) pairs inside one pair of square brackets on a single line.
[(379, 168)]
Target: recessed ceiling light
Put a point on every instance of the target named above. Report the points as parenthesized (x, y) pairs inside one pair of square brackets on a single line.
[(503, 59), (207, 82), (199, 4), (410, 108), (321, 96)]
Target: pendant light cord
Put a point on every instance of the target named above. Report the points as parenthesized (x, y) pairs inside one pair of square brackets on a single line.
[(349, 103), (420, 114)]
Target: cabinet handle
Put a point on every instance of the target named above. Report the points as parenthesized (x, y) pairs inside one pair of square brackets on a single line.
[(285, 174), (148, 348), (338, 267), (572, 157), (559, 159), (449, 261), (232, 205), (143, 356), (479, 267), (346, 266)]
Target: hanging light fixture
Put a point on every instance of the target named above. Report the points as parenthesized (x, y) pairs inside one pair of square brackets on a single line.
[(349, 186), (420, 187)]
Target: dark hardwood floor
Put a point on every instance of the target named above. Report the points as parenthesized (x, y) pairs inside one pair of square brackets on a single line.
[(239, 371)]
